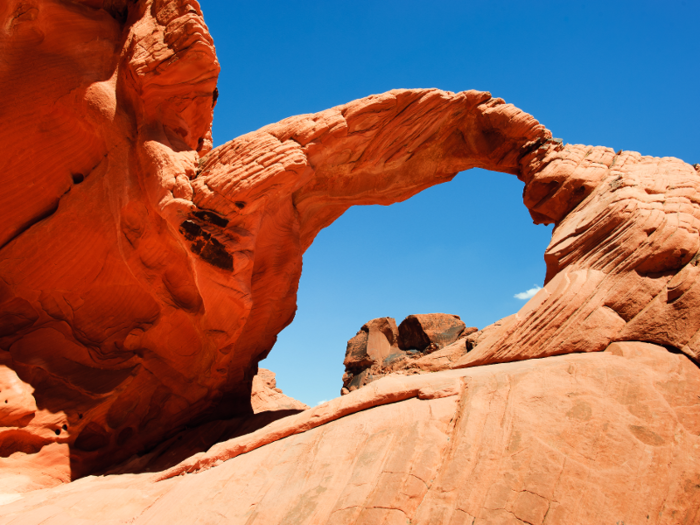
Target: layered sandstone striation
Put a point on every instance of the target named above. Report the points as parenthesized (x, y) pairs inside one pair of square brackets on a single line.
[(623, 261), (106, 107), (144, 275)]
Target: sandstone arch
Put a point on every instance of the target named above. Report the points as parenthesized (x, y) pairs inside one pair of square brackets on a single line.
[(167, 270), (169, 276)]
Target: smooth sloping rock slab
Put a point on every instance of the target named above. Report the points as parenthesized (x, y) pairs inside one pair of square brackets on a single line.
[(607, 437)]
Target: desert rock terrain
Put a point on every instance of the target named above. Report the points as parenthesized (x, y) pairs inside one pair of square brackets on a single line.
[(143, 276)]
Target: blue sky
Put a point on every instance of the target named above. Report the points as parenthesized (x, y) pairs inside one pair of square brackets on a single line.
[(620, 74)]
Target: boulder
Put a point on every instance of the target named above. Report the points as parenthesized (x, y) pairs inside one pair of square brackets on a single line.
[(430, 330), (376, 342), (380, 348)]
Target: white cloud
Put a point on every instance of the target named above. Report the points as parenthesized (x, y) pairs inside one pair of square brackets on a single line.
[(321, 402), (530, 293)]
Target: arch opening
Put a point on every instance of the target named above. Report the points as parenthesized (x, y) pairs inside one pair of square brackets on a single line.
[(465, 247)]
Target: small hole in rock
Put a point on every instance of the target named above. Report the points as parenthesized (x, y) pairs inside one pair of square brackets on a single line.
[(80, 416), (78, 178), (65, 427), (57, 431)]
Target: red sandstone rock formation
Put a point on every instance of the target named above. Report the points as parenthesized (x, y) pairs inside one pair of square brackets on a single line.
[(622, 263), (142, 278), (163, 277), (374, 344), (429, 332), (107, 107)]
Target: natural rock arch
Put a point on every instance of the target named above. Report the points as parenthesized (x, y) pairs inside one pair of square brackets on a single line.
[(167, 270)]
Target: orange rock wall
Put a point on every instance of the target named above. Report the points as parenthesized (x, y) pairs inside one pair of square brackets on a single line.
[(105, 110)]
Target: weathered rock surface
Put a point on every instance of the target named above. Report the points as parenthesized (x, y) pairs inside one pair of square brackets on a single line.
[(623, 260), (580, 439), (415, 346), (374, 344), (106, 106)]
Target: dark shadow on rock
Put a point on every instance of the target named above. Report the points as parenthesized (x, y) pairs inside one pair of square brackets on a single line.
[(193, 440)]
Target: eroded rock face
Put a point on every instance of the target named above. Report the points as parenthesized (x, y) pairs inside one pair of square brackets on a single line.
[(266, 396), (429, 332), (107, 106), (375, 344)]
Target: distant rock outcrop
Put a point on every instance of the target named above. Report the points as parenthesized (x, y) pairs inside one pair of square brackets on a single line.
[(266, 396), (381, 348), (429, 332)]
